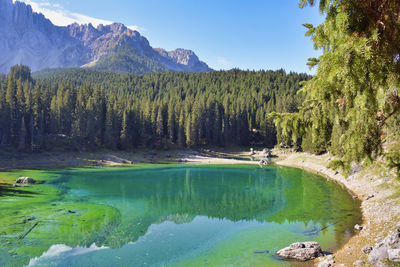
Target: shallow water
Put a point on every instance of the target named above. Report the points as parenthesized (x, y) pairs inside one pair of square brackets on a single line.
[(170, 215)]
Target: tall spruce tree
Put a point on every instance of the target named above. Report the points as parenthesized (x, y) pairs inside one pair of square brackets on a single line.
[(352, 103)]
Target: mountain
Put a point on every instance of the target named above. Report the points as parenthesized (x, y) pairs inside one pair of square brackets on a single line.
[(28, 38)]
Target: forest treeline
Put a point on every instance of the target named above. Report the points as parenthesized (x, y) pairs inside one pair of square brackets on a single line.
[(84, 109)]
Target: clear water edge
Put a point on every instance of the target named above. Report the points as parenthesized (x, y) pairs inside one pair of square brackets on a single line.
[(174, 215)]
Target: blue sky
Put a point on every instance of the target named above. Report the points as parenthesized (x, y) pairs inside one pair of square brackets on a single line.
[(251, 34)]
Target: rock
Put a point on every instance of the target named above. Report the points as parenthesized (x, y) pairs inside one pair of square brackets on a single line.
[(355, 168), (25, 180), (359, 263), (261, 251), (390, 244), (301, 251), (262, 162), (330, 257), (355, 197), (266, 153), (369, 196), (394, 255), (358, 227), (367, 249), (252, 151), (326, 263)]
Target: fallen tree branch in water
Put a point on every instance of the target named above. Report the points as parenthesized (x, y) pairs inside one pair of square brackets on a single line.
[(30, 229)]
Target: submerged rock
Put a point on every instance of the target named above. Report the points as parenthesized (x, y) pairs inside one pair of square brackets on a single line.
[(25, 180), (261, 251), (369, 196), (301, 251)]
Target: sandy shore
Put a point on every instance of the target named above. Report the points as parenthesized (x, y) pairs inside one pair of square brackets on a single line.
[(111, 158), (376, 186)]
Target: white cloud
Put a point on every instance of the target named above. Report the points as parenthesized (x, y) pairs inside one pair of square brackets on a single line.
[(62, 251), (62, 17), (223, 62)]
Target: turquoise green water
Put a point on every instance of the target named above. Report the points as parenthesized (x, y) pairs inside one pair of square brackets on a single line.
[(170, 215)]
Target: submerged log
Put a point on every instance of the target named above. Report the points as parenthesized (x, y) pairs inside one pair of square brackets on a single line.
[(30, 229)]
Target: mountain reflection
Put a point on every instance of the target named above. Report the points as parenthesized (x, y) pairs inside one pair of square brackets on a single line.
[(152, 196)]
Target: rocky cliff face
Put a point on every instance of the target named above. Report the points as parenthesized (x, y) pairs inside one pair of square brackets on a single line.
[(29, 38)]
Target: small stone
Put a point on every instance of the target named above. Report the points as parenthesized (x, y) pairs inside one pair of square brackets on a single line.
[(367, 249), (355, 197), (358, 227), (369, 196), (359, 263), (330, 257), (326, 263)]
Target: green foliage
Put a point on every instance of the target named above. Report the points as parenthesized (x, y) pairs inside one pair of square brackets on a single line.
[(86, 109), (353, 101), (336, 164)]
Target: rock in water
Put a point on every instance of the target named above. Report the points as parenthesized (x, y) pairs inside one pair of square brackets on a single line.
[(301, 251), (25, 180)]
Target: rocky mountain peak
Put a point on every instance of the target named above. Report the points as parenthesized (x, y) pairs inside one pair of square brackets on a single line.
[(183, 56), (29, 38)]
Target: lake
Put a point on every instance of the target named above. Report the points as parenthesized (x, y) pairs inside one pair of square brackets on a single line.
[(170, 215)]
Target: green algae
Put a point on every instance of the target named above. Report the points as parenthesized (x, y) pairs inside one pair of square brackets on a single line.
[(55, 222), (181, 215)]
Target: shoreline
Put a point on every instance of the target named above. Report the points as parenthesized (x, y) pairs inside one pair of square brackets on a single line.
[(375, 186)]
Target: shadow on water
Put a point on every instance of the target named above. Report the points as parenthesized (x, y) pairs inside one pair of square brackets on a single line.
[(10, 191)]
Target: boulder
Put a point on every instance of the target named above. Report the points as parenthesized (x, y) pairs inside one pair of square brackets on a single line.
[(25, 180), (301, 251), (394, 255), (387, 248)]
